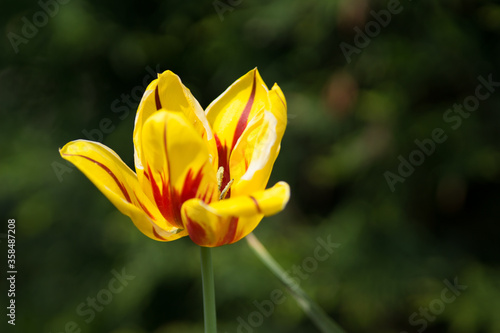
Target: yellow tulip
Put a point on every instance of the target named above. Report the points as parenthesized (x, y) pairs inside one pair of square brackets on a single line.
[(198, 173)]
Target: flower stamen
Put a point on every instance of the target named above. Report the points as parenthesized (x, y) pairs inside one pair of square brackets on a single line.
[(223, 193), (220, 177)]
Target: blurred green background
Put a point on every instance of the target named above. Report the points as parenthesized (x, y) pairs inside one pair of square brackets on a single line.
[(350, 120)]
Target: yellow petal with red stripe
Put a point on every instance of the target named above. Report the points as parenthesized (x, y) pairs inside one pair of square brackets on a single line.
[(227, 221), (168, 93), (120, 185), (253, 157), (176, 164), (231, 112)]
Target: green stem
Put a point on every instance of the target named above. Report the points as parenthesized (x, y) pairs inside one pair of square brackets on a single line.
[(207, 277), (322, 321)]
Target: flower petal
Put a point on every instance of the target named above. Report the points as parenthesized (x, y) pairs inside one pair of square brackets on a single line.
[(178, 164), (253, 157), (147, 107), (167, 92), (120, 185), (238, 115), (230, 113), (227, 221)]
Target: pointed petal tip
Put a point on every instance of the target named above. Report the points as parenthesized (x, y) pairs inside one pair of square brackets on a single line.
[(254, 72), (277, 90), (168, 72)]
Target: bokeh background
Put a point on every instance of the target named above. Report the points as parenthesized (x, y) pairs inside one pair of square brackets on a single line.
[(350, 118)]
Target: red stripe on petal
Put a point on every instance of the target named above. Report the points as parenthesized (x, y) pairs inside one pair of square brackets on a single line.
[(196, 231), (189, 191), (157, 99), (231, 232), (243, 121), (282, 101), (191, 185), (168, 199), (259, 210), (157, 235), (207, 196), (169, 202), (223, 149), (174, 205), (162, 198), (223, 153), (145, 209), (105, 168)]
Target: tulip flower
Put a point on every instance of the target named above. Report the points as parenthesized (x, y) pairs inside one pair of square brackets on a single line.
[(201, 173), (198, 173)]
